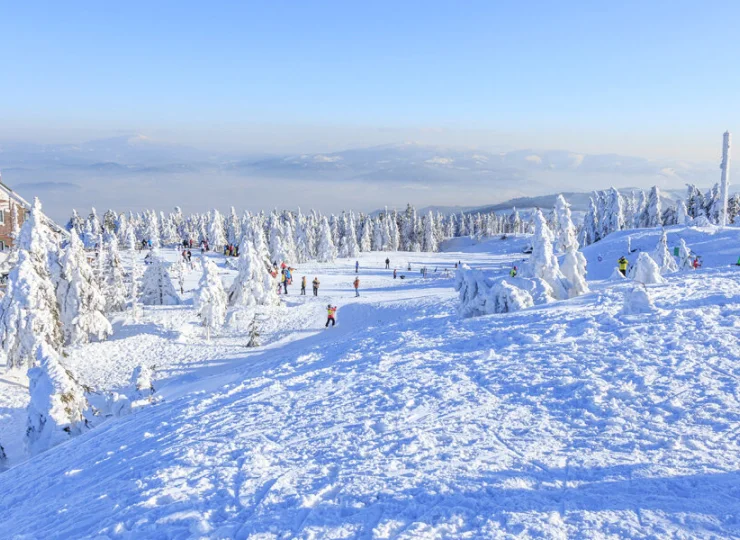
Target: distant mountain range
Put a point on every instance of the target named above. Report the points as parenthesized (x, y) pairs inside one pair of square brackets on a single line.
[(373, 177)]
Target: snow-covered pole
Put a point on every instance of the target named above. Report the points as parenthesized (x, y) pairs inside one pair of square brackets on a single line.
[(725, 183)]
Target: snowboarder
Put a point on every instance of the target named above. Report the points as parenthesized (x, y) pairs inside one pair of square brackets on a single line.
[(316, 284), (623, 262), (387, 263), (357, 266), (512, 273), (357, 286), (303, 286), (331, 312)]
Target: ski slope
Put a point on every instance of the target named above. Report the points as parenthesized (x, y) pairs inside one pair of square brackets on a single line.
[(564, 420)]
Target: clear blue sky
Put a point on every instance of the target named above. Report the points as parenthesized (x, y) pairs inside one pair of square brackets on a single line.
[(650, 77)]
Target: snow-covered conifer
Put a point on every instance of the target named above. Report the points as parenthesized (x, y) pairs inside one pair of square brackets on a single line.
[(590, 230), (684, 256), (234, 232), (81, 301), (565, 232), (681, 212), (58, 408), (215, 234), (366, 235), (253, 285), (142, 383), (429, 238), (210, 298), (646, 271), (157, 287), (542, 262), (663, 257), (637, 301), (326, 250), (472, 289), (29, 313), (652, 214)]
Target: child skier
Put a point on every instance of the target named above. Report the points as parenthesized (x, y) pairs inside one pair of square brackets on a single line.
[(357, 286), (331, 312)]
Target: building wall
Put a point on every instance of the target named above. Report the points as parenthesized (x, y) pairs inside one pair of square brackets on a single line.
[(6, 219)]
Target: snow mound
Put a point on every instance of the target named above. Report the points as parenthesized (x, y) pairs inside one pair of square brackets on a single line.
[(636, 301)]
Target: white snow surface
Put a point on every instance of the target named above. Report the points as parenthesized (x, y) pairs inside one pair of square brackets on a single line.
[(562, 420)]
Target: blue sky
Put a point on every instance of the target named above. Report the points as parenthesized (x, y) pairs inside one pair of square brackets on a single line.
[(650, 78)]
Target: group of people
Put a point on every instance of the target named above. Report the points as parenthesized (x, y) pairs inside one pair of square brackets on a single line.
[(231, 250)]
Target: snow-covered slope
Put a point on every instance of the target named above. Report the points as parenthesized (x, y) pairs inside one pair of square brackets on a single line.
[(405, 421)]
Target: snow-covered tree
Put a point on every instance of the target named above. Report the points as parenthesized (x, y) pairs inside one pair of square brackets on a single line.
[(157, 287), (302, 242), (684, 256), (58, 408), (681, 212), (472, 289), (210, 298), (694, 201), (81, 301), (542, 262), (142, 385), (114, 285), (612, 218), (646, 271), (565, 231), (574, 269), (253, 284), (76, 223), (326, 250), (216, 236), (151, 229), (366, 234), (29, 313), (429, 238), (663, 257), (348, 240), (652, 215), (590, 229), (234, 232)]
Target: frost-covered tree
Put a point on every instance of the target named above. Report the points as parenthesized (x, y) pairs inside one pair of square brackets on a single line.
[(210, 299), (275, 233), (651, 216), (253, 285), (76, 223), (302, 242), (612, 218), (515, 222), (542, 262), (472, 289), (681, 212), (646, 270), (216, 236), (326, 250), (81, 301), (157, 287), (348, 242), (694, 201), (114, 284), (565, 231), (637, 301), (429, 238), (733, 209), (714, 204), (663, 257), (151, 229), (58, 408), (234, 232), (29, 313), (142, 383), (574, 269), (366, 234), (590, 229), (684, 256)]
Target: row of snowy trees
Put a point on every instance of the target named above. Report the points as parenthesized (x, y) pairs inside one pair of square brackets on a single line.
[(541, 279), (294, 236), (60, 295), (610, 211)]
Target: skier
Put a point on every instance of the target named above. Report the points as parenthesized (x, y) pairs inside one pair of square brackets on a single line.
[(315, 284), (623, 262), (357, 287), (331, 312), (387, 263), (303, 286), (512, 273), (395, 273), (284, 280), (357, 266), (697, 263)]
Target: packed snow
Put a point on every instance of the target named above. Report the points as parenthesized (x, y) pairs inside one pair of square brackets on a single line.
[(611, 412)]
